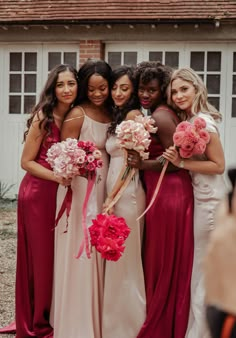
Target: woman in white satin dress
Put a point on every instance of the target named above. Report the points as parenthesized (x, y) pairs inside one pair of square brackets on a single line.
[(124, 306), (189, 95)]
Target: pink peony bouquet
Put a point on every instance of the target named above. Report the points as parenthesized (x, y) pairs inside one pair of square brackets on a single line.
[(191, 138), (108, 234), (72, 157), (135, 134)]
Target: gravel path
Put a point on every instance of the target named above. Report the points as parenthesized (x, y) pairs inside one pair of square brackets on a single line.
[(8, 262)]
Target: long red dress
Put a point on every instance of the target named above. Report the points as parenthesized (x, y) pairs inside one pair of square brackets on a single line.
[(35, 249), (168, 252)]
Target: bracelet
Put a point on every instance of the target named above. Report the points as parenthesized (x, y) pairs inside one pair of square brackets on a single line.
[(181, 164)]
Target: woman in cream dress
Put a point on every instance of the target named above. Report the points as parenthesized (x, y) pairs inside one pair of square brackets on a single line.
[(78, 283), (124, 306), (189, 95)]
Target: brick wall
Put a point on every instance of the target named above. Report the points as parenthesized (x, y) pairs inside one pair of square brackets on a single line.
[(91, 49)]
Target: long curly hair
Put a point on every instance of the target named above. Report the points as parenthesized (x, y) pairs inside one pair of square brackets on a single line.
[(147, 71), (47, 100), (200, 103), (119, 114)]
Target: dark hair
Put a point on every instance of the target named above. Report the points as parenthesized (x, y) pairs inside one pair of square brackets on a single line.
[(119, 114), (147, 71), (232, 178), (89, 68), (47, 100)]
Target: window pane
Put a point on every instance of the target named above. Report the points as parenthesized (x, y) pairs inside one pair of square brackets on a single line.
[(214, 61), (215, 101), (30, 61), (234, 62), (234, 85), (234, 107), (114, 59), (30, 83), (15, 83), (14, 104), (130, 58), (197, 61), (15, 61), (213, 84), (70, 58), (155, 56), (172, 59), (54, 59), (29, 103)]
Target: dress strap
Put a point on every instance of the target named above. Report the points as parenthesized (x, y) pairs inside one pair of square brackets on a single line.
[(76, 117)]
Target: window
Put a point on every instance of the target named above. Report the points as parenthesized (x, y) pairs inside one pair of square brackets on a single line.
[(22, 82), (116, 59)]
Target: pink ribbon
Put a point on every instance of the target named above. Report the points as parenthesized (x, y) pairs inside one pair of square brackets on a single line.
[(156, 189), (85, 242)]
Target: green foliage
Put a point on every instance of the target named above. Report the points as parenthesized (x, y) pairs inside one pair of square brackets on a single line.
[(5, 188)]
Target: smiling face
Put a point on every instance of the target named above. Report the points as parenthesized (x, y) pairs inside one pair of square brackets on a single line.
[(122, 91), (98, 90), (183, 94), (66, 88), (149, 94)]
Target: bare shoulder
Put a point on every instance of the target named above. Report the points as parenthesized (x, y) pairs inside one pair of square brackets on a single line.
[(132, 114), (75, 113), (165, 115)]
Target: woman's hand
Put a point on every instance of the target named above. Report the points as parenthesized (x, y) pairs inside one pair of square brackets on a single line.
[(133, 159), (172, 155), (63, 181)]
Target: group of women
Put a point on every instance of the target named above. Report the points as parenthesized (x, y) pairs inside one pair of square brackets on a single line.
[(156, 288)]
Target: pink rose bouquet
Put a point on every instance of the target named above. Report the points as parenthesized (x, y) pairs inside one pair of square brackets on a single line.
[(191, 138), (108, 234)]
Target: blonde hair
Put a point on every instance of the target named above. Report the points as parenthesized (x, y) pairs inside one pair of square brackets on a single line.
[(200, 103)]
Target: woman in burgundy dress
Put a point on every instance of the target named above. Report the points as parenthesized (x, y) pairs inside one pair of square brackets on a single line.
[(37, 205), (168, 237)]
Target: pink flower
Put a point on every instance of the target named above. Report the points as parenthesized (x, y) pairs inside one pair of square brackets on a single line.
[(204, 135), (199, 147), (182, 126), (199, 123), (148, 122), (185, 153), (178, 138)]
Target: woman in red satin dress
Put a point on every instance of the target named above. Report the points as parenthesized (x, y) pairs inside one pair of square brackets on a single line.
[(168, 235), (37, 205)]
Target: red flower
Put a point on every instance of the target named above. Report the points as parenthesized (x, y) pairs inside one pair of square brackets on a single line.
[(108, 234)]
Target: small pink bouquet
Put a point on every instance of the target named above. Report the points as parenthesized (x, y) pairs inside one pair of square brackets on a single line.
[(108, 234), (191, 138), (135, 134), (72, 157)]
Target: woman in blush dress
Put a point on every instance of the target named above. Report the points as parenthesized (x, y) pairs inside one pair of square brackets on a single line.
[(168, 235), (124, 306), (37, 205), (78, 283), (188, 94)]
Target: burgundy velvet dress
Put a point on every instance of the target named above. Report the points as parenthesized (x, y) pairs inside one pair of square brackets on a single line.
[(35, 249), (168, 252)]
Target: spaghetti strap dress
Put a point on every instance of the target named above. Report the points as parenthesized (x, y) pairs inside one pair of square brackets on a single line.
[(78, 283), (167, 251)]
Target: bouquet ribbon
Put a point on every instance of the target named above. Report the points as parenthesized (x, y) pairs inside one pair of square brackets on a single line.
[(66, 206), (158, 185), (85, 242), (123, 180)]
